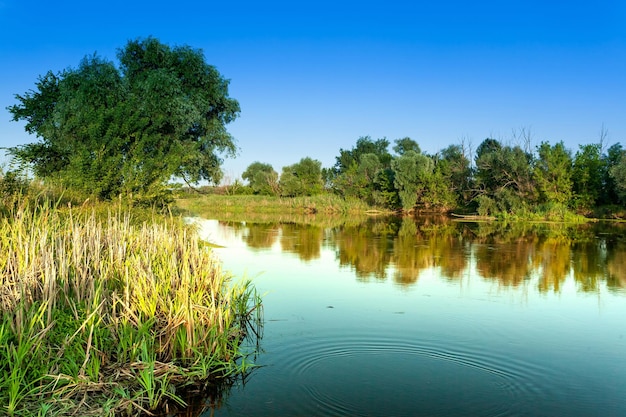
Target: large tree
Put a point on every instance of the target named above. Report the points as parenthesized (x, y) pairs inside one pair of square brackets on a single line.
[(110, 129), (618, 174), (404, 145), (302, 178), (455, 167), (358, 180), (588, 175), (262, 178), (613, 158), (364, 172), (364, 145), (503, 177), (413, 173), (553, 173)]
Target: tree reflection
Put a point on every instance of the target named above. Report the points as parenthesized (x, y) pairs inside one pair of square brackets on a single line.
[(453, 258), (410, 256), (553, 258), (306, 241), (616, 265), (589, 262), (509, 254), (366, 249), (260, 235), (422, 245), (508, 263)]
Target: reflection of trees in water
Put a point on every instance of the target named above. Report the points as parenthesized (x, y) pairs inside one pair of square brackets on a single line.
[(236, 227), (503, 252), (506, 253), (430, 245), (261, 235), (508, 263), (450, 245), (589, 263), (306, 241), (553, 258), (453, 260), (364, 250), (408, 263), (616, 265)]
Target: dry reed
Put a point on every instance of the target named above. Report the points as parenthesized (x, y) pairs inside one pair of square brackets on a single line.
[(109, 317)]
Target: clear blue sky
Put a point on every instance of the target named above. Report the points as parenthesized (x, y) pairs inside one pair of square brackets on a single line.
[(314, 76)]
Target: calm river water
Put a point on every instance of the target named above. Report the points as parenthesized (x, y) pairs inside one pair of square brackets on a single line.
[(428, 317)]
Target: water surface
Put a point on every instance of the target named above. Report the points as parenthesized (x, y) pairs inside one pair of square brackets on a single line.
[(407, 317)]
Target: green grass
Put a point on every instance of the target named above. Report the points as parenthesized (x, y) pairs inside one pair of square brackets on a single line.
[(550, 212), (104, 316), (324, 210), (318, 204)]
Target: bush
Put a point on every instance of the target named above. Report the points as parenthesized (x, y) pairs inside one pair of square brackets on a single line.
[(13, 185)]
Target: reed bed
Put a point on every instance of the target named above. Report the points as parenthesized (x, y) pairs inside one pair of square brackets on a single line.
[(102, 316), (327, 204)]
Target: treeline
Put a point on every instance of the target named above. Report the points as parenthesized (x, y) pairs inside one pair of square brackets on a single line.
[(497, 179)]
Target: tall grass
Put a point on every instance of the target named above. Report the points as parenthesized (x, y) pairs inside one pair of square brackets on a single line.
[(319, 204), (101, 316)]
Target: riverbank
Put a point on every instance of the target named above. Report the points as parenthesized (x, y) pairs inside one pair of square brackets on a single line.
[(257, 204), (302, 210), (102, 315)]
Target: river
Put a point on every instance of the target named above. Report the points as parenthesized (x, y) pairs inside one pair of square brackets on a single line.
[(431, 317)]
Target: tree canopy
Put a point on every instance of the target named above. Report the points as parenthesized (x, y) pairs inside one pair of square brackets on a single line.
[(108, 129), (618, 174), (302, 178), (553, 173), (262, 178)]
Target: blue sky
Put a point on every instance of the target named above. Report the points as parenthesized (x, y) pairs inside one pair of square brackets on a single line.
[(314, 76)]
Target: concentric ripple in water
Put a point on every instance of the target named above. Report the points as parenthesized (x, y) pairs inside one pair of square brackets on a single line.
[(361, 375)]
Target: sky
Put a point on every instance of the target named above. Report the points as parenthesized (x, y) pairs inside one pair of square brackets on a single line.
[(312, 77)]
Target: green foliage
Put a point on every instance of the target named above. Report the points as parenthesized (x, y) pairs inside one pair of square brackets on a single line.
[(364, 172), (262, 178), (302, 179), (370, 181), (588, 175), (385, 193), (260, 208), (557, 212), (553, 173), (618, 175), (22, 364), (504, 175), (364, 145), (13, 185), (454, 167), (486, 205), (129, 130), (358, 179), (412, 173), (404, 145), (613, 158), (104, 313), (440, 193)]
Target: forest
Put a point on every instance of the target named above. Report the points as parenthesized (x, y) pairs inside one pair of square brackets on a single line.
[(497, 179)]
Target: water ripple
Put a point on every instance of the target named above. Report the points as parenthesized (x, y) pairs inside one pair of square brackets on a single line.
[(353, 375)]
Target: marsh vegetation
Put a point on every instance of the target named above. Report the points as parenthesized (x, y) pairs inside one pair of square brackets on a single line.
[(105, 315)]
